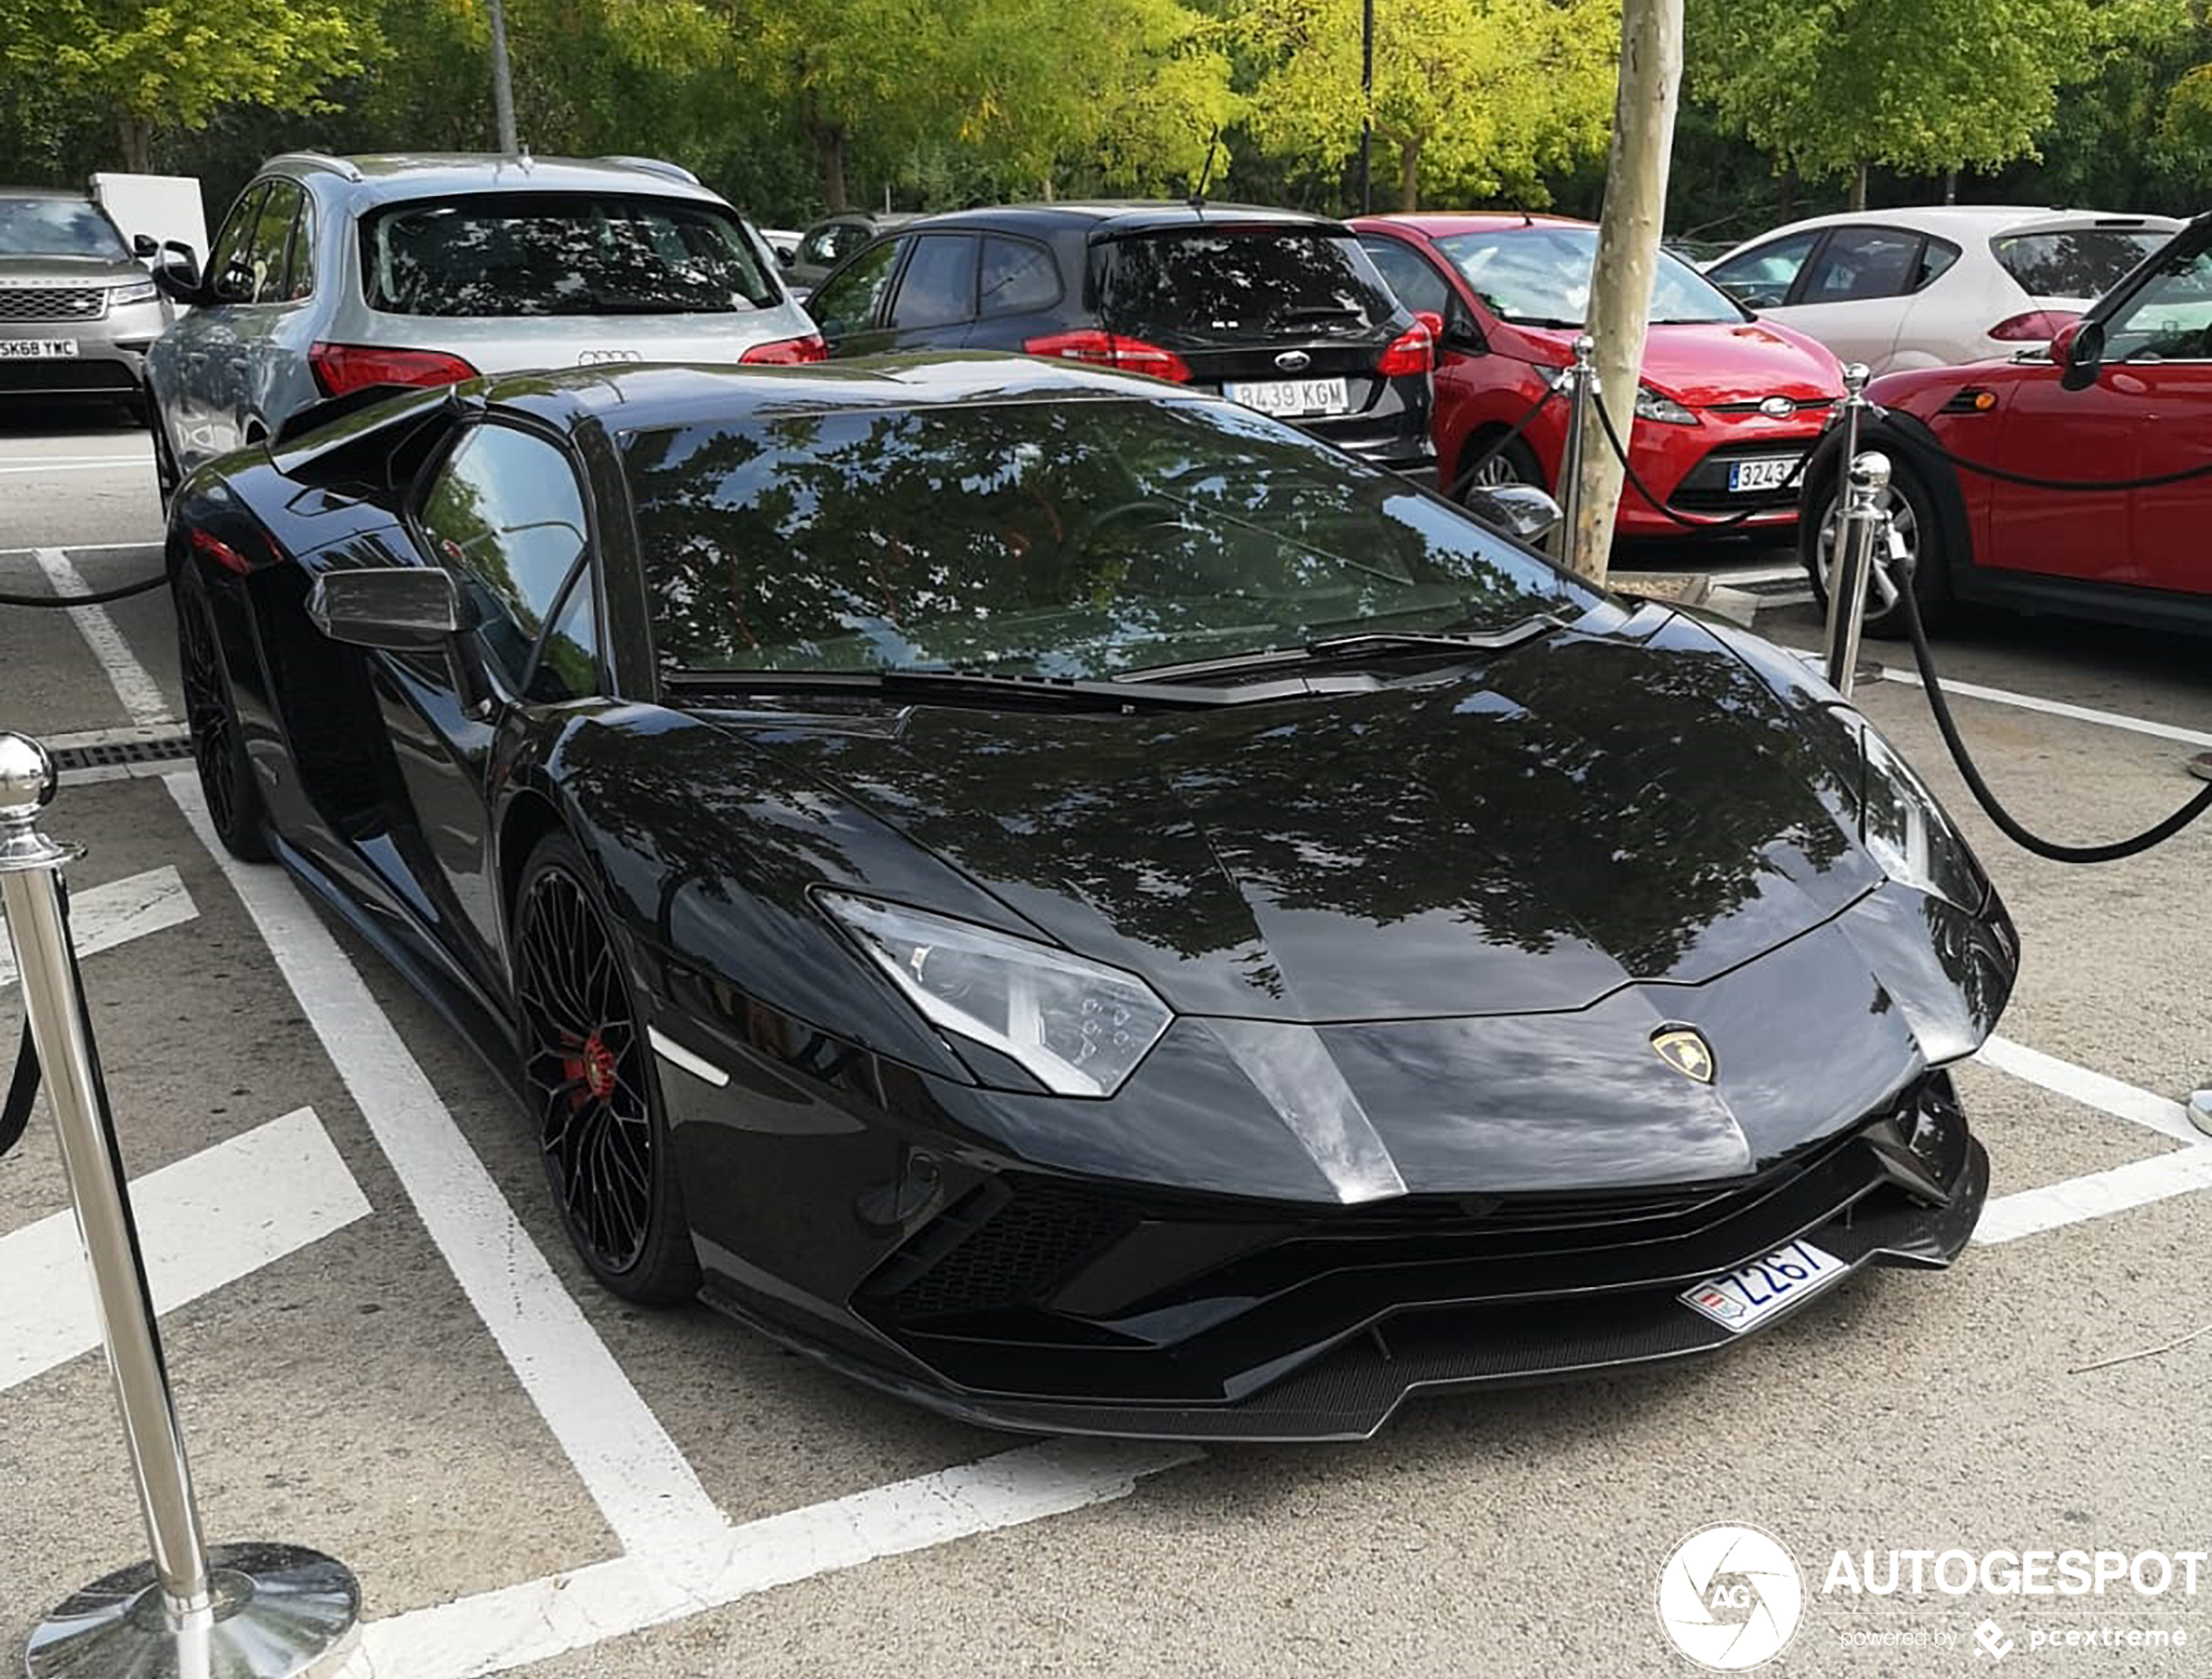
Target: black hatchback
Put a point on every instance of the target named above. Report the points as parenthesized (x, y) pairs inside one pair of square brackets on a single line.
[(1278, 311)]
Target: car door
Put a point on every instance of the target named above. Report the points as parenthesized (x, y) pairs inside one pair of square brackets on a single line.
[(200, 350), (504, 510), (847, 307), (1851, 293), (933, 304), (1019, 295)]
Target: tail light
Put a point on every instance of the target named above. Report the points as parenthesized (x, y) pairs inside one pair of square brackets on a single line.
[(1412, 351), (342, 368), (1111, 350), (787, 352), (2036, 327), (221, 552)]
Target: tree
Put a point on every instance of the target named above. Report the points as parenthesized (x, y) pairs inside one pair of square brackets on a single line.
[(155, 66), (1478, 98), (1927, 86)]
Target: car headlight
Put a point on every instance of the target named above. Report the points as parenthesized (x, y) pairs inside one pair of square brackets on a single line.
[(1079, 1027), (1657, 405), (1906, 831), (138, 291)]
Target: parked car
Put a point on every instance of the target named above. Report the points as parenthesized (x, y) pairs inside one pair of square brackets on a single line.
[(783, 242), (1279, 311), (1727, 407), (1073, 901), (2124, 392), (330, 274), (77, 310), (831, 239), (1929, 287)]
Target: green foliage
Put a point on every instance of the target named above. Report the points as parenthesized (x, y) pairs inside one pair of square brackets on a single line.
[(1475, 99)]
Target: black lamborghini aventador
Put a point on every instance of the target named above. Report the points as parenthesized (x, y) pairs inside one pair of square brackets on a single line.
[(1077, 903)]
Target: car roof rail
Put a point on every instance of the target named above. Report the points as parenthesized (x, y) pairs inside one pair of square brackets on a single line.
[(674, 171), (320, 160)]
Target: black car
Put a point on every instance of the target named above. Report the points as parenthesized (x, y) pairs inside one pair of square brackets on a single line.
[(1078, 904), (1280, 312)]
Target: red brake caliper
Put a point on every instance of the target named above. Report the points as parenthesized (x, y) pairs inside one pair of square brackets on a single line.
[(590, 1069)]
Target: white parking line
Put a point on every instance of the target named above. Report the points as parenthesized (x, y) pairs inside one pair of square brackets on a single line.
[(108, 465), (203, 1221), (540, 1619), (117, 912), (150, 544), (140, 694), (632, 1470), (2093, 1089), (2075, 1200), (2056, 708)]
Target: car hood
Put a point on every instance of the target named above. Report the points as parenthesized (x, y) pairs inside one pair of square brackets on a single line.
[(1632, 803), (69, 271), (1722, 361)]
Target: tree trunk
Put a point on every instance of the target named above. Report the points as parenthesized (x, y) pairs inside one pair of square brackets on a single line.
[(137, 135), (1046, 186), (1627, 257), (1409, 174), (1859, 188), (1786, 210), (1951, 185), (829, 159)]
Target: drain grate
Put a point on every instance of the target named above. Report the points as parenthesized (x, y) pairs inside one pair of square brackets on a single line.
[(111, 754)]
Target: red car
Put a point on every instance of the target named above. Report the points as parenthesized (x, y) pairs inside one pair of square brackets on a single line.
[(1728, 405), (2124, 393)]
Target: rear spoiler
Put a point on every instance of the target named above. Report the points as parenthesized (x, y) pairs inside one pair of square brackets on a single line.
[(320, 428)]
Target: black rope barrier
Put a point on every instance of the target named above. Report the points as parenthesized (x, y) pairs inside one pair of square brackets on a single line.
[(97, 597), (1728, 522), (1498, 445)]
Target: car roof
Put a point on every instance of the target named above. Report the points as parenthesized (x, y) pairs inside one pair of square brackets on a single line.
[(1112, 216), (1969, 220), (649, 396), (1442, 224), (382, 175)]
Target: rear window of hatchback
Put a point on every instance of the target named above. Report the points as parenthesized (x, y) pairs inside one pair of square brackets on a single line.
[(1215, 284)]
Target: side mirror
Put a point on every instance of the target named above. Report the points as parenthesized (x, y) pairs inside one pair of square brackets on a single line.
[(143, 245), (176, 270), (401, 609), (786, 257), (1521, 511), (1463, 333), (2078, 346)]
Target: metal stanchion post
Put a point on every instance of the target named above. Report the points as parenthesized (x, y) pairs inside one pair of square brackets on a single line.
[(1864, 525), (1582, 387), (238, 1611), (1853, 406)]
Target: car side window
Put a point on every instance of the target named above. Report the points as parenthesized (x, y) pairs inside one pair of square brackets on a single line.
[(269, 253), (228, 274), (2169, 319), (1858, 264), (1411, 275), (302, 283), (1016, 277), (1936, 255), (848, 299), (938, 288), (1761, 277), (505, 514)]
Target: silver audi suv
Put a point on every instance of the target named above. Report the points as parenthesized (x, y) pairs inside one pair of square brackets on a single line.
[(331, 273), (76, 310)]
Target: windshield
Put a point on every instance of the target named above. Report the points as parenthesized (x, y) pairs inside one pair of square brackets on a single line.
[(57, 227), (2081, 262), (1076, 538), (1214, 284), (545, 253), (1540, 276)]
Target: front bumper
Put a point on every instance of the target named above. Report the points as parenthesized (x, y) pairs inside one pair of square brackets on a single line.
[(1069, 1306), (1687, 467), (109, 359)]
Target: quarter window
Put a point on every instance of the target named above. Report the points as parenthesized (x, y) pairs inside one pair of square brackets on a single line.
[(506, 516), (1017, 278), (938, 288)]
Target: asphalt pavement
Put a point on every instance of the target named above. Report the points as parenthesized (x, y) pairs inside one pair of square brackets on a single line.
[(382, 1348)]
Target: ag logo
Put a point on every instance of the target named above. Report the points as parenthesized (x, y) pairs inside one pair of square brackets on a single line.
[(1685, 1048), (1730, 1597)]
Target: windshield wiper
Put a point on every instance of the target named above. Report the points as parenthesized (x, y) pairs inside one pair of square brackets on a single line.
[(1338, 648), (949, 687)]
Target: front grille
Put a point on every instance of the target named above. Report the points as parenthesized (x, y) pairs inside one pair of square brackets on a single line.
[(1005, 1250), (53, 302), (1756, 404)]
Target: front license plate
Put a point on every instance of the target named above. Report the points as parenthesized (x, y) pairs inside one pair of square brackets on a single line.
[(1746, 1297), (28, 349), (1745, 476), (1282, 396)]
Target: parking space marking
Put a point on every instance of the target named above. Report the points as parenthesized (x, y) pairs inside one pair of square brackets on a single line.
[(80, 466), (634, 1472), (2093, 1089), (204, 1222), (140, 695), (151, 543), (2056, 708), (2074, 1200), (540, 1619), (117, 912)]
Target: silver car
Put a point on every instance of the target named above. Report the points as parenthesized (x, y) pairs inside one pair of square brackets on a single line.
[(78, 312), (333, 274)]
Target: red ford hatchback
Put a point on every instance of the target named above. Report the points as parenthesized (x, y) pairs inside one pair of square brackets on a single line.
[(1728, 405)]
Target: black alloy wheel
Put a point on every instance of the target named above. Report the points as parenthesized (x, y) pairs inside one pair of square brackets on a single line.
[(588, 1072), (218, 751)]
